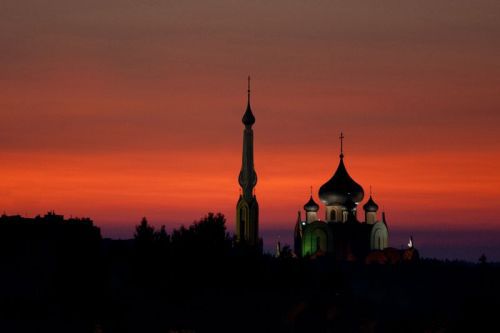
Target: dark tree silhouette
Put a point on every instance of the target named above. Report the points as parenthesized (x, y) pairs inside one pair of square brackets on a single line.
[(60, 276), (206, 237), (161, 235), (144, 233), (162, 243)]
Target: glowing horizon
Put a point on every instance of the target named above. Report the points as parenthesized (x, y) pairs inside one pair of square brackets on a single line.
[(117, 111)]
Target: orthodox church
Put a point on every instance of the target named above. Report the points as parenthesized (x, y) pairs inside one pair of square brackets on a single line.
[(340, 234)]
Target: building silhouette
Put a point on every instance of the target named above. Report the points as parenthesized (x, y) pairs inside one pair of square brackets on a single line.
[(340, 234), (49, 227), (247, 208)]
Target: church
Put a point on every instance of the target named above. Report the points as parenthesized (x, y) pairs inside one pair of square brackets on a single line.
[(340, 234)]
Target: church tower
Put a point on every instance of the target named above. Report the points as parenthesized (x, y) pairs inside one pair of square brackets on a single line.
[(311, 208), (247, 209), (370, 208), (340, 191)]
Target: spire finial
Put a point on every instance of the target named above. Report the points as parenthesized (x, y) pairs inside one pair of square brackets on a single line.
[(341, 137), (311, 191), (370, 190), (248, 118), (248, 89)]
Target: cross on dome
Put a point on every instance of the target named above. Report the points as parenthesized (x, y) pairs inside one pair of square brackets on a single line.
[(248, 89), (341, 137)]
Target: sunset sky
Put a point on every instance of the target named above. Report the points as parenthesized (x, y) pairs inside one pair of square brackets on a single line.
[(122, 109)]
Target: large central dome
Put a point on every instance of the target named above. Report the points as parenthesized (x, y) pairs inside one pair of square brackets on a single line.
[(340, 187)]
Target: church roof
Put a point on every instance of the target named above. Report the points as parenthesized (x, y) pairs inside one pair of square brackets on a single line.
[(311, 205), (341, 186), (370, 205)]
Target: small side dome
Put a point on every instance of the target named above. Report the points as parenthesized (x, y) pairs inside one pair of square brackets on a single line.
[(370, 205), (311, 206)]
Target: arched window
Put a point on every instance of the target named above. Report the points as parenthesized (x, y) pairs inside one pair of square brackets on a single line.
[(321, 240), (242, 222), (333, 215)]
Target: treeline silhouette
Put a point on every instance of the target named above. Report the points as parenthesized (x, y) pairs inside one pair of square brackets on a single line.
[(58, 275), (206, 238)]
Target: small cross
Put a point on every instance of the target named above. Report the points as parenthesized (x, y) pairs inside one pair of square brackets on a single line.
[(249, 88), (311, 191), (341, 137)]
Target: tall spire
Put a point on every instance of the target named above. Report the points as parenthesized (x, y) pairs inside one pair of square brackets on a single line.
[(341, 137), (247, 211), (248, 176)]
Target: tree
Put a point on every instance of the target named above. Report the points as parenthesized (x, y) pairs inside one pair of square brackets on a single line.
[(206, 237), (144, 233), (162, 242), (161, 236)]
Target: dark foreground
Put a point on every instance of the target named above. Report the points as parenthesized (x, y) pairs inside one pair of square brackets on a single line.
[(58, 275), (120, 289)]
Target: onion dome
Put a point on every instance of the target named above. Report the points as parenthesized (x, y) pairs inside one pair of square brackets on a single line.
[(336, 190), (311, 206), (370, 205), (341, 186), (248, 118)]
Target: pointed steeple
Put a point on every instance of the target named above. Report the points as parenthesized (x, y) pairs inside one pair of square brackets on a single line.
[(248, 176), (278, 249), (297, 237), (247, 214)]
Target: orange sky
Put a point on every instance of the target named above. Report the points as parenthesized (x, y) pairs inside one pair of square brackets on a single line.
[(123, 109)]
